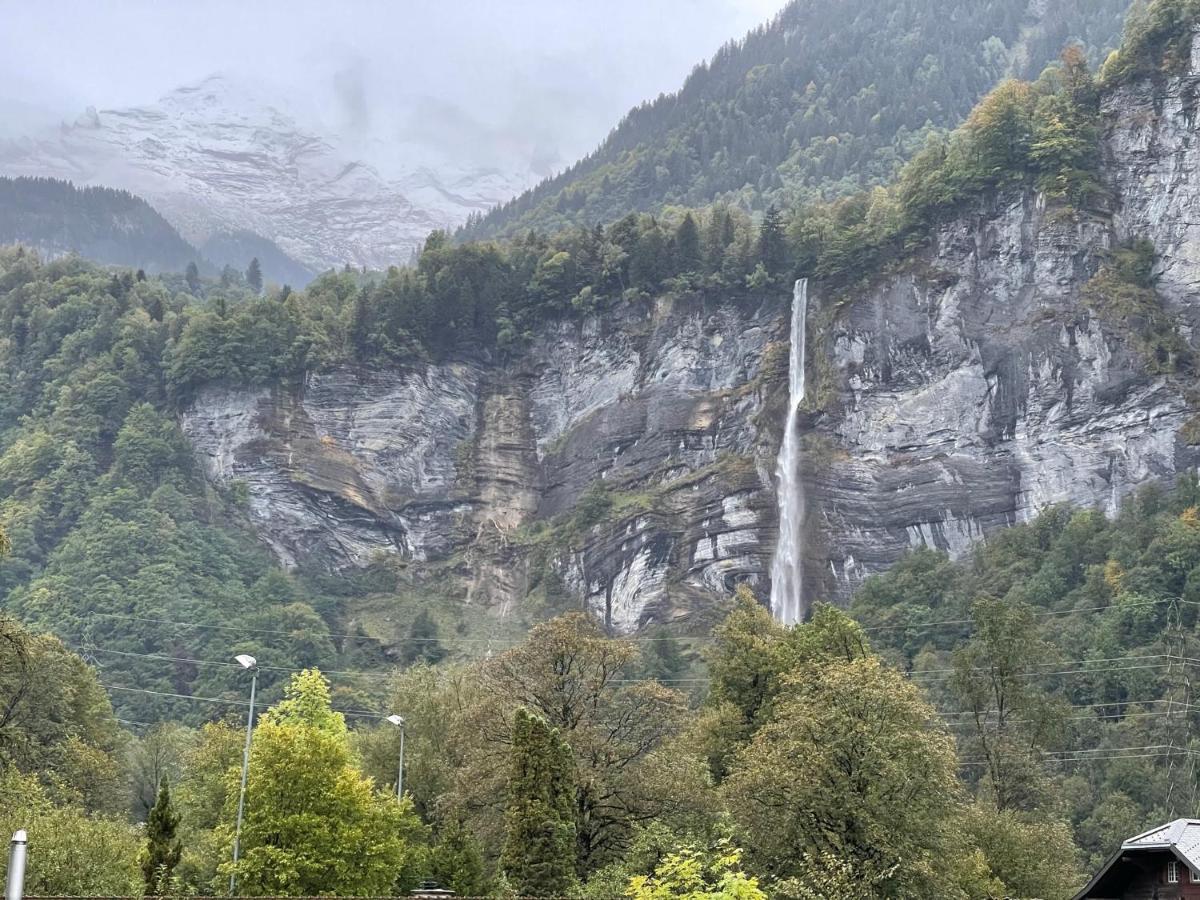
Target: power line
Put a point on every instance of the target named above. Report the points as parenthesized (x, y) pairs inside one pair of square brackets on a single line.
[(358, 637), (360, 673), (228, 701), (1039, 614)]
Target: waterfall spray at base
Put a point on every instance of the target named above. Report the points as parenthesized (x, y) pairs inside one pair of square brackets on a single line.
[(787, 603)]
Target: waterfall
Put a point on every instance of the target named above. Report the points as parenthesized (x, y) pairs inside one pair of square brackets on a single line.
[(787, 602)]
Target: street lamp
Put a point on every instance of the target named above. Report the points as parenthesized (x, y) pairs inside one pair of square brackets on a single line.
[(398, 721), (246, 662)]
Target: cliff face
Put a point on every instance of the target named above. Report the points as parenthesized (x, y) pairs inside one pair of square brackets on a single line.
[(958, 394), (458, 463)]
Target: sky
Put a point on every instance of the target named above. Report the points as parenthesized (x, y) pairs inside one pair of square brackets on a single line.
[(543, 78)]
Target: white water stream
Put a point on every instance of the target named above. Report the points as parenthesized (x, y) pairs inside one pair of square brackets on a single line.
[(787, 602)]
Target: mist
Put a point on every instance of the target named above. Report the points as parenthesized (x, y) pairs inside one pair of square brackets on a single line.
[(492, 83)]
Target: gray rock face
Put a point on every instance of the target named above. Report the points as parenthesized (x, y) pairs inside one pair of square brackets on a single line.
[(959, 394), (353, 464)]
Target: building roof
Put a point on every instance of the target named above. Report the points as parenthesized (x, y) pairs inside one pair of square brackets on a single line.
[(1181, 837)]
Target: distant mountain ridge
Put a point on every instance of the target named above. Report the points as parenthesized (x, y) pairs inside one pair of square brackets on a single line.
[(216, 158), (115, 227), (102, 224), (826, 99)]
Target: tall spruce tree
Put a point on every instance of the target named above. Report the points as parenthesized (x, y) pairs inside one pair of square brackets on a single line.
[(254, 276), (687, 245), (192, 276), (163, 849), (772, 243), (539, 843)]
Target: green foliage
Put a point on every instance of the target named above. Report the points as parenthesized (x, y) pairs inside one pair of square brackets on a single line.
[(878, 789), (210, 770), (1123, 296), (1050, 613), (71, 853), (100, 223), (1158, 40), (1030, 858), (114, 534), (826, 100), (163, 849), (751, 658), (314, 824), (698, 875), (423, 644), (254, 276), (456, 861), (624, 737), (1012, 721), (539, 844), (56, 721)]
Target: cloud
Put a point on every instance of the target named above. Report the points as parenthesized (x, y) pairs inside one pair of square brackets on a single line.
[(548, 76)]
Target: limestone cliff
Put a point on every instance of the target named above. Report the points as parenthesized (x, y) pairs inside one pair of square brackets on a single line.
[(956, 394)]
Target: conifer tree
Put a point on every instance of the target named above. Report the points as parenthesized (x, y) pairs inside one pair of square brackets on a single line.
[(539, 844), (192, 276), (254, 276), (360, 327), (772, 244), (456, 861), (687, 245), (163, 849)]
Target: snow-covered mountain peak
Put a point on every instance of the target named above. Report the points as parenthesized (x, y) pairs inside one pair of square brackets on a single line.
[(222, 155)]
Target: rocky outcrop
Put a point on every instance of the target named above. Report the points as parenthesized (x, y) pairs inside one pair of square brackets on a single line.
[(625, 462)]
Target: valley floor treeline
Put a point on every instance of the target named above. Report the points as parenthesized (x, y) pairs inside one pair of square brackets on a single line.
[(980, 728)]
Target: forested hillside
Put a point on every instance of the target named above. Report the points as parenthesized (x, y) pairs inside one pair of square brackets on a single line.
[(827, 99), (119, 543), (108, 226)]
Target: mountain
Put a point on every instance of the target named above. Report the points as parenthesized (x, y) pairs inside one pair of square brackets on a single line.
[(503, 432), (109, 226), (218, 158), (827, 99), (980, 346), (237, 248)]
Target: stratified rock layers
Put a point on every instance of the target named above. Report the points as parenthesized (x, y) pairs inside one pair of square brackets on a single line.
[(958, 394)]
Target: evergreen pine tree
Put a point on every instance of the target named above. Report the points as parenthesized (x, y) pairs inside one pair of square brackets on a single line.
[(538, 857), (687, 245), (254, 276), (163, 849), (360, 327), (772, 247), (456, 861), (192, 276)]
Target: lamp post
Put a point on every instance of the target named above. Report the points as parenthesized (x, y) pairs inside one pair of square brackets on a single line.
[(398, 721), (14, 888), (246, 662)]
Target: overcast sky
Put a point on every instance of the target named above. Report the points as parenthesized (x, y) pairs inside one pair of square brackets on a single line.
[(558, 73)]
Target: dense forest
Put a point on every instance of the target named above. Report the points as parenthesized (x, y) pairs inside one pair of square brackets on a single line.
[(98, 223), (981, 728), (826, 100), (118, 228), (1012, 716)]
